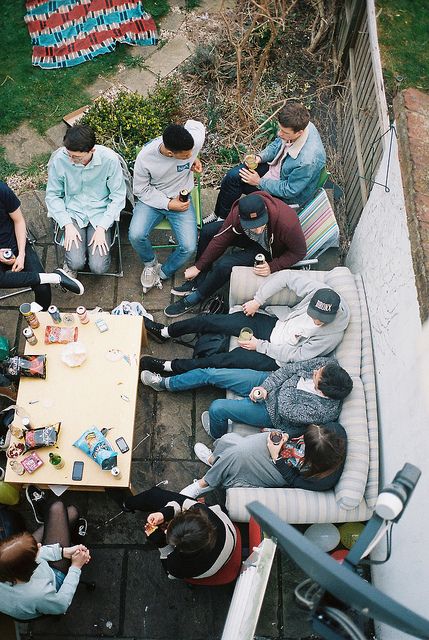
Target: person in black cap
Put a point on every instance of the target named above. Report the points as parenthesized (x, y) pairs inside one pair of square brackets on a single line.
[(313, 327), (258, 223)]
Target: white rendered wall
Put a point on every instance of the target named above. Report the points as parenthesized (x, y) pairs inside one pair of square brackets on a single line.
[(380, 251)]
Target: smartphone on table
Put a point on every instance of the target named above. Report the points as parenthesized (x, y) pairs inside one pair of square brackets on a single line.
[(77, 472), (122, 445)]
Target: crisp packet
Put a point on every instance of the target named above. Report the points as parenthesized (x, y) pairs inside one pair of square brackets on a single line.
[(94, 444), (32, 462), (29, 366), (60, 335), (42, 437)]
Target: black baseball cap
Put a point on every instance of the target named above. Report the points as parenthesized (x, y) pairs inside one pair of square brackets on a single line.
[(324, 305), (252, 211)]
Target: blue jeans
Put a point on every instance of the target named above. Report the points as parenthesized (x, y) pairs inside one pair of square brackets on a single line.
[(183, 224), (241, 382), (76, 257), (232, 187)]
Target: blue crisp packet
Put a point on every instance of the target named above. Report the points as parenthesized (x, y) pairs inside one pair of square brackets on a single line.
[(94, 444)]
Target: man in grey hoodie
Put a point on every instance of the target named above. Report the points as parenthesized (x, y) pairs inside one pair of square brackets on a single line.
[(313, 327)]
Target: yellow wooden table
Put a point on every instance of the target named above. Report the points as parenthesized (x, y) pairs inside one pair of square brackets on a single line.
[(101, 392)]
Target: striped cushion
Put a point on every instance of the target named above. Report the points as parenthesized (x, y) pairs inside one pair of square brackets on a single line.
[(244, 283), (319, 225)]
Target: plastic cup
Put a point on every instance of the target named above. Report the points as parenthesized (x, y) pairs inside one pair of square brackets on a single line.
[(250, 161), (246, 334)]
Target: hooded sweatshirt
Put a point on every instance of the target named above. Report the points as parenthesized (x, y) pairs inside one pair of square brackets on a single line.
[(322, 340), (286, 242)]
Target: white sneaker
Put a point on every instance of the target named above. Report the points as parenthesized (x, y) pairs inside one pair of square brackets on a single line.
[(205, 421), (203, 453), (153, 380), (69, 272), (150, 276), (211, 218), (193, 490)]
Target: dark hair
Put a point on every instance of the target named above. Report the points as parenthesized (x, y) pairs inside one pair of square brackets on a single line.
[(294, 116), (177, 138), (80, 137), (325, 450), (18, 558), (335, 382), (191, 531)]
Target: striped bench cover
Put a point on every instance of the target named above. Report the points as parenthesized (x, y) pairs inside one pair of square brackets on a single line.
[(319, 225)]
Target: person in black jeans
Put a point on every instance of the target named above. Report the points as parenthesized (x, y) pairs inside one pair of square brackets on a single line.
[(25, 268), (194, 540)]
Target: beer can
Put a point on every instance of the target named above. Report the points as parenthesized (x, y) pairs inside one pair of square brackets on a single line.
[(55, 314), (257, 395), (29, 315), (83, 315), (26, 424), (8, 254), (184, 195), (28, 334), (259, 259), (116, 472)]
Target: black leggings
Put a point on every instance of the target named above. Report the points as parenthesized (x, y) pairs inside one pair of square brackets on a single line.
[(29, 277), (60, 523)]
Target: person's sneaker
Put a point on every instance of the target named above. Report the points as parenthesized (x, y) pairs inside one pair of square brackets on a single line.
[(152, 380), (211, 218), (150, 276), (183, 289), (82, 527), (68, 283), (179, 308), (205, 421), (156, 365), (154, 330), (68, 271), (193, 490), (203, 453), (37, 499)]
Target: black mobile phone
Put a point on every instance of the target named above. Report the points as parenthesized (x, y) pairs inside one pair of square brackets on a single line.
[(77, 472), (122, 445)]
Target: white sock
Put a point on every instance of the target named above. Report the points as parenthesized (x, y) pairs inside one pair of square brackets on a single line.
[(167, 366), (164, 332), (49, 278)]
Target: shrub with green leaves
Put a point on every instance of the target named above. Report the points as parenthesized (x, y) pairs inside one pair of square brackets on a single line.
[(126, 122)]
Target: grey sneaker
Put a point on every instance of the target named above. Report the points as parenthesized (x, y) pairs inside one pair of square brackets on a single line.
[(150, 276), (205, 421), (153, 380)]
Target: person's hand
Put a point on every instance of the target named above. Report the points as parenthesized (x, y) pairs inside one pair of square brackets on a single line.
[(197, 166), (18, 264), (155, 519), (250, 345), (263, 396), (274, 449), (9, 262), (71, 234), (191, 273), (177, 205), (250, 307), (262, 269), (250, 177), (80, 557), (69, 551), (98, 241)]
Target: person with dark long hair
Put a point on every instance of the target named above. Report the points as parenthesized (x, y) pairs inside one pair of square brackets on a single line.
[(194, 540), (313, 461)]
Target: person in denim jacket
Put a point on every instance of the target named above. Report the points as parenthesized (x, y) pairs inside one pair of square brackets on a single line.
[(288, 168)]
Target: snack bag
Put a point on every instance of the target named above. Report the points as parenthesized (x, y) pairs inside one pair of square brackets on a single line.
[(60, 335), (94, 444), (42, 437), (294, 451), (30, 366), (32, 462)]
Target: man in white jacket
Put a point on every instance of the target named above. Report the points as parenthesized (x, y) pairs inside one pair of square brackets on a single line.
[(163, 168)]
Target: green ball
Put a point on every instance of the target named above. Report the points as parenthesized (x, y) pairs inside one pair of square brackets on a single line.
[(350, 532)]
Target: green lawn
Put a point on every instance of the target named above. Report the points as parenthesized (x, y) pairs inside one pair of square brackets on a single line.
[(403, 27), (42, 97)]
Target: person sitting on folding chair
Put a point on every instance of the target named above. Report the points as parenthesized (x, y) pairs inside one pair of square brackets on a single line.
[(85, 195), (288, 168), (163, 168), (194, 540), (313, 327), (19, 263), (257, 224)]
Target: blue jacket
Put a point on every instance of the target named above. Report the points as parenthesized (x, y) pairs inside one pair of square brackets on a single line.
[(298, 176)]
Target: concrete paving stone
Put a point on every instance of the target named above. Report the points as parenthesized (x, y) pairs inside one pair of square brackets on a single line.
[(101, 506), (141, 52), (56, 134), (170, 56), (143, 475), (179, 473), (155, 605), (136, 79), (173, 20), (8, 323), (173, 428), (328, 260), (143, 424), (36, 215), (23, 144), (93, 613), (214, 6), (295, 621), (208, 200), (99, 87)]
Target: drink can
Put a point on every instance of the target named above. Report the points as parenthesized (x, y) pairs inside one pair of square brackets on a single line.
[(17, 467), (184, 195), (276, 437), (257, 395), (116, 472), (29, 315), (26, 424), (8, 254), (83, 315), (56, 461), (55, 314), (259, 259), (28, 334)]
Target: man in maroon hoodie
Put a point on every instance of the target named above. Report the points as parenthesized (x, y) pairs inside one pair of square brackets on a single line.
[(257, 223)]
